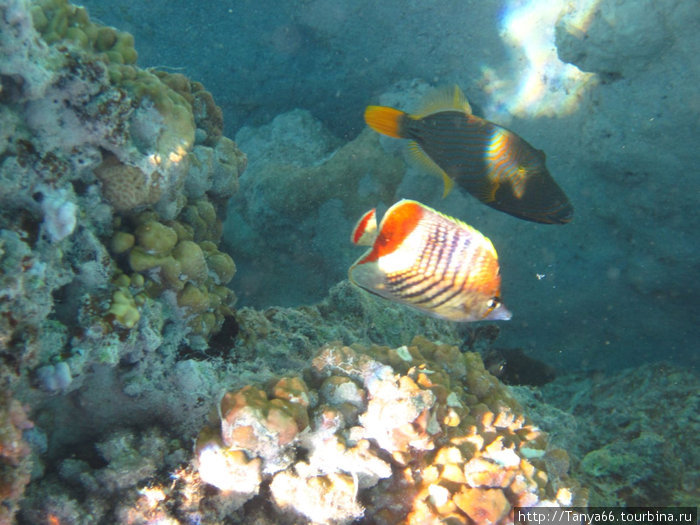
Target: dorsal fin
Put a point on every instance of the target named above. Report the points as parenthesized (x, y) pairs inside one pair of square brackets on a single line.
[(398, 222), (447, 98), (365, 230)]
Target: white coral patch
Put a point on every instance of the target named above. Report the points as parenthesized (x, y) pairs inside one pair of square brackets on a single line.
[(59, 215), (217, 468)]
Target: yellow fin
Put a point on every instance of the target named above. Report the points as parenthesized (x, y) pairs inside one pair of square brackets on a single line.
[(425, 162), (447, 98)]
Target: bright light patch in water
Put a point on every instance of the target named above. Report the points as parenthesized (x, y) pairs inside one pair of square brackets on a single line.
[(540, 84)]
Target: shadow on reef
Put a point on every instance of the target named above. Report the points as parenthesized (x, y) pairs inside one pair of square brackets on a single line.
[(514, 367), (510, 365)]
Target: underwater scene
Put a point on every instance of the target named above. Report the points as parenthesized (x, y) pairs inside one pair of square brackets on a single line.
[(348, 262)]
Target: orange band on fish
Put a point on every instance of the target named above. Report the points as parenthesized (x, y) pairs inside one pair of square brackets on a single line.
[(431, 262), (396, 226)]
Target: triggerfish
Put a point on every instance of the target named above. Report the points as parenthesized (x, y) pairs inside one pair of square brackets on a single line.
[(491, 162), (424, 259)]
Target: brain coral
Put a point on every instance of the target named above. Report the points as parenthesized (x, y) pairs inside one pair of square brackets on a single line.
[(415, 434)]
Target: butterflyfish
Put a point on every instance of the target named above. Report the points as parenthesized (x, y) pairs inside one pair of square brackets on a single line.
[(429, 261), (492, 163)]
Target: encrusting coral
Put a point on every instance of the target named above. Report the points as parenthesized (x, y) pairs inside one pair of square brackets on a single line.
[(412, 434), (95, 166), (181, 256), (428, 429), (418, 434)]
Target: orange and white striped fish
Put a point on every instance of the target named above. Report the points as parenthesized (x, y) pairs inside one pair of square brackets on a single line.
[(491, 162), (435, 263)]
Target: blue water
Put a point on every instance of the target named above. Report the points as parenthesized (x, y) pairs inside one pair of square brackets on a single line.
[(616, 286)]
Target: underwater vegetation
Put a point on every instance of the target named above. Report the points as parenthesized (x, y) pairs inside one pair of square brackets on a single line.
[(135, 389)]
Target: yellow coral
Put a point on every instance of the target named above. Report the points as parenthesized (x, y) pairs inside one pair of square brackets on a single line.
[(221, 266), (156, 238), (249, 420), (122, 242), (192, 262), (140, 260), (150, 169), (193, 298), (123, 308), (60, 20)]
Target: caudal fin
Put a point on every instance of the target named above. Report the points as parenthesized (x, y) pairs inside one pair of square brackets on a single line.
[(387, 121)]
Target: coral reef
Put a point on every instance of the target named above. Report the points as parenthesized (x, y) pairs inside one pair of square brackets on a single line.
[(95, 152), (117, 325), (96, 174), (629, 128), (628, 133), (357, 424), (284, 339), (433, 434), (626, 447), (132, 384), (104, 476)]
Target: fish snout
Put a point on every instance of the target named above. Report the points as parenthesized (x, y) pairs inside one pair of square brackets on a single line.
[(499, 313)]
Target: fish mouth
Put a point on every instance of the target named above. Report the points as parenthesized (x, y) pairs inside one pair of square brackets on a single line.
[(501, 313), (563, 216)]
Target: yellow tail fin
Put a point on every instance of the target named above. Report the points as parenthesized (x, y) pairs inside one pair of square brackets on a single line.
[(385, 120)]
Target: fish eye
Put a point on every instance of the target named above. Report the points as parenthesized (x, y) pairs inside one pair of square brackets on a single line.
[(493, 303)]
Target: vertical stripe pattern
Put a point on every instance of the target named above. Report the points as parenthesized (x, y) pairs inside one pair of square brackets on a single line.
[(442, 266)]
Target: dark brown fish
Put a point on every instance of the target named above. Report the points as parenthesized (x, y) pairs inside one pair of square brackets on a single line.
[(491, 162)]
